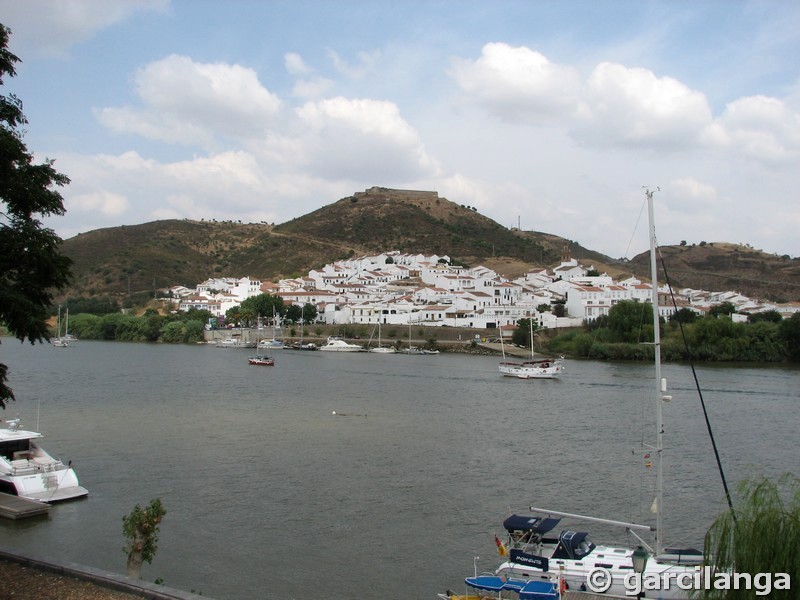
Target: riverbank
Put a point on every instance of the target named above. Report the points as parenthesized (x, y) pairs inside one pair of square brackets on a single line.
[(30, 577)]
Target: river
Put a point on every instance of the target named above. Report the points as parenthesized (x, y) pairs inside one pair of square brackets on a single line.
[(270, 495)]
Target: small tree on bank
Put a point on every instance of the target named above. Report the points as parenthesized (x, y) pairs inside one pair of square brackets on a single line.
[(141, 530)]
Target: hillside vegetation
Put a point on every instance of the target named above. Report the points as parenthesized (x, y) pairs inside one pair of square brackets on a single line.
[(135, 260)]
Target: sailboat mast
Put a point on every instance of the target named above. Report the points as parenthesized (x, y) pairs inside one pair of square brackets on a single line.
[(658, 381)]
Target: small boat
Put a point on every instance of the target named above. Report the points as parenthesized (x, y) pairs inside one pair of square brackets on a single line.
[(311, 346), (491, 586), (263, 361), (28, 471), (381, 349), (234, 342), (535, 368), (272, 344), (63, 341), (337, 344)]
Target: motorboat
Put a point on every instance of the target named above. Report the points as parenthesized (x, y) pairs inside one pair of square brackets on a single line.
[(28, 471), (263, 361), (337, 344), (272, 344), (310, 346), (232, 342)]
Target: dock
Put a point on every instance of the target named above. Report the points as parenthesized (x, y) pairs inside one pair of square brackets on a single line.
[(14, 507)]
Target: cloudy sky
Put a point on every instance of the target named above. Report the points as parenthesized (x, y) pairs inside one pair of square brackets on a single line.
[(550, 115)]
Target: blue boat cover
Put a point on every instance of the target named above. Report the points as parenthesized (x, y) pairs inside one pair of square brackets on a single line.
[(539, 590), (491, 583), (540, 525)]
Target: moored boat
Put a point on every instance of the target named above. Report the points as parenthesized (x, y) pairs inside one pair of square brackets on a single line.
[(263, 361), (28, 471), (571, 559), (535, 368), (337, 344)]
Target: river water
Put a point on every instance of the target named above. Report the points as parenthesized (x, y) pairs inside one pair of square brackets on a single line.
[(270, 495)]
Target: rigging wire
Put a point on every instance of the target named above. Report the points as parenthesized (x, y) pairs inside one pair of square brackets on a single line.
[(699, 391)]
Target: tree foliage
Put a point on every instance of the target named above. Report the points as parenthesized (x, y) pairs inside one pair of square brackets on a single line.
[(761, 536), (631, 322), (31, 267), (522, 334), (141, 530)]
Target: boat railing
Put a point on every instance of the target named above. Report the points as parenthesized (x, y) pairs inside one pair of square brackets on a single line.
[(26, 466)]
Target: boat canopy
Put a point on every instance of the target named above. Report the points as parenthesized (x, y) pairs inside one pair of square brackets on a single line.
[(536, 525), (573, 544)]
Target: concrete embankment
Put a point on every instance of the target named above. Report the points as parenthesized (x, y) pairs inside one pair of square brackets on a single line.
[(66, 572)]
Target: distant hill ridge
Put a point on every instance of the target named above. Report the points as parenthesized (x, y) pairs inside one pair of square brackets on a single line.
[(138, 259)]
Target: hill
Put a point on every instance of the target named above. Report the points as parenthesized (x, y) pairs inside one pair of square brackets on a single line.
[(136, 260), (720, 266)]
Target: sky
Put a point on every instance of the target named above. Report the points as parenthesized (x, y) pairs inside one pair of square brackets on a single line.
[(547, 115)]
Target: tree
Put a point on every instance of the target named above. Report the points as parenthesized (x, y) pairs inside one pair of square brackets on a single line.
[(771, 316), (789, 332), (294, 313), (522, 334), (262, 305), (724, 308), (762, 535), (31, 267), (631, 322), (309, 312), (141, 529), (684, 316)]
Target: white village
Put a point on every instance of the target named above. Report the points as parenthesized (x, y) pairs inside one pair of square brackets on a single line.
[(395, 288)]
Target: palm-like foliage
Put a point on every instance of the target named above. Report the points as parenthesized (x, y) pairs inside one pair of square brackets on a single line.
[(762, 536)]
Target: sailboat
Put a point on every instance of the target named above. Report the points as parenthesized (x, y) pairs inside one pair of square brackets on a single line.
[(382, 349), (415, 349), (261, 360), (301, 345), (535, 368), (274, 343), (62, 341), (532, 553)]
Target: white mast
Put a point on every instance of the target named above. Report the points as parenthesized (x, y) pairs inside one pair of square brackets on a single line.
[(660, 384)]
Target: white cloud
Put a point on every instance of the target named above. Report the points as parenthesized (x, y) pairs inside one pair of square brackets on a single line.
[(108, 203), (50, 28), (696, 193), (759, 128), (312, 88), (362, 139), (295, 65), (189, 102), (633, 107), (518, 84), (366, 63)]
